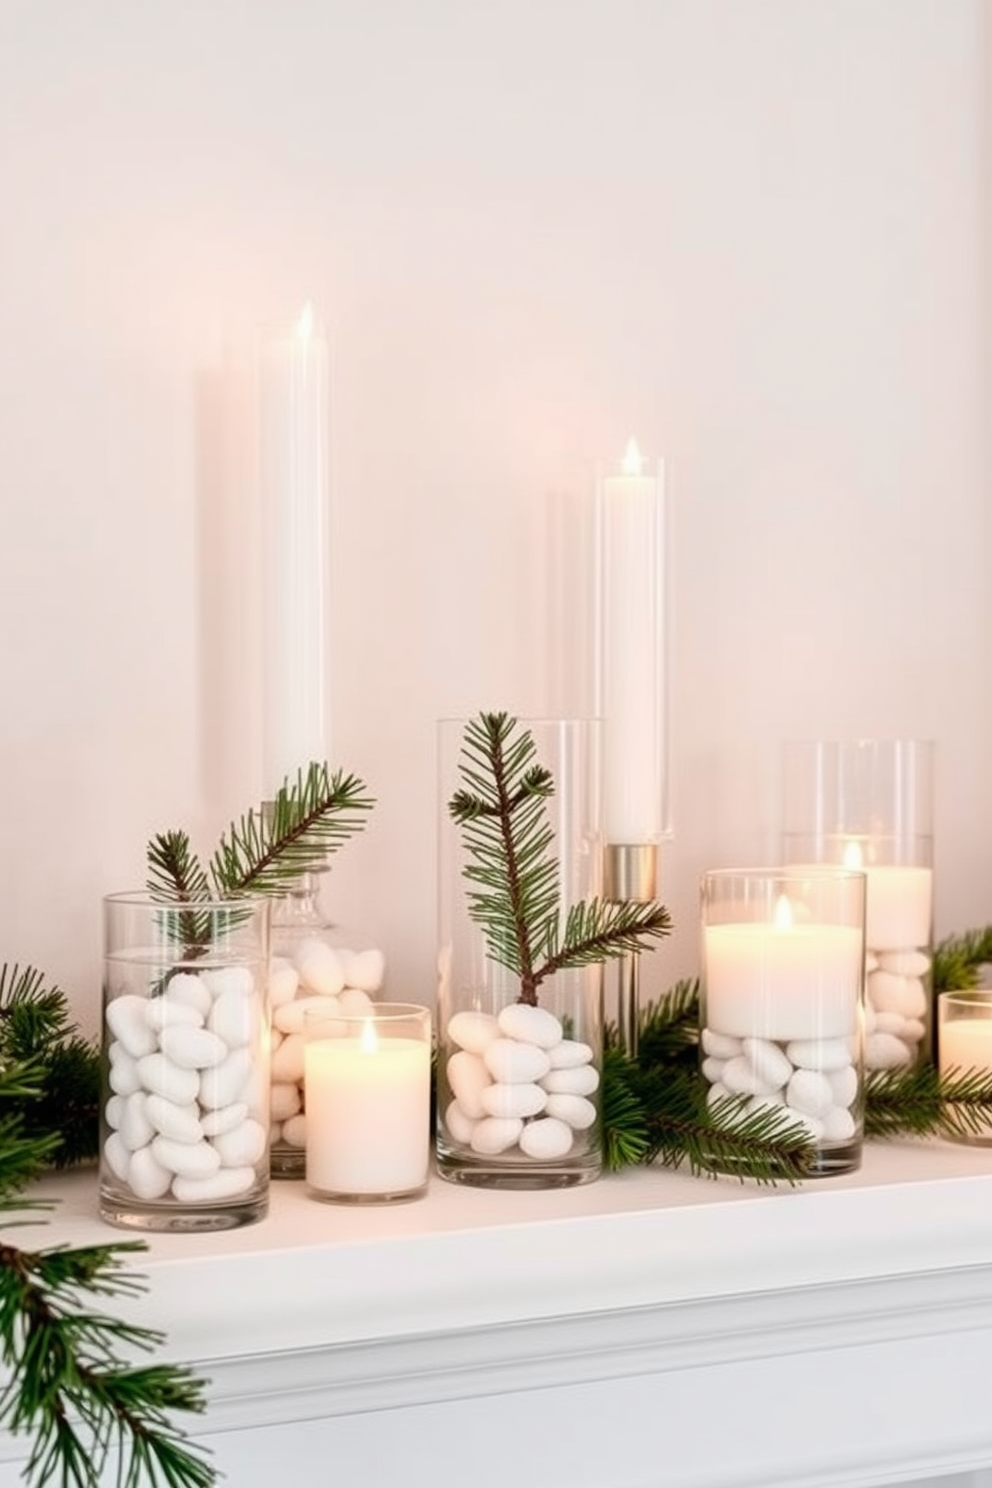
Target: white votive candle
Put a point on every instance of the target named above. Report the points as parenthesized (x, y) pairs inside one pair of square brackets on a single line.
[(367, 1098)]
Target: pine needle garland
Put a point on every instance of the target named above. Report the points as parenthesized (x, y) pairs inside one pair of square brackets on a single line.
[(60, 1097), (957, 959)]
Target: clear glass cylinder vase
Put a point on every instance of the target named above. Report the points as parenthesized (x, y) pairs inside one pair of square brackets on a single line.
[(184, 1107), (781, 1012), (312, 968), (868, 804), (519, 1059)]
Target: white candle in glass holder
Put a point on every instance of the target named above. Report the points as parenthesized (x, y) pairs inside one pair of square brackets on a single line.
[(782, 980), (295, 548), (631, 684), (898, 904), (367, 1102)]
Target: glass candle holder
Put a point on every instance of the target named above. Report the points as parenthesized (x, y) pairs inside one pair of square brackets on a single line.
[(964, 1045), (781, 1008), (869, 804), (367, 1079), (519, 1067), (184, 1106)]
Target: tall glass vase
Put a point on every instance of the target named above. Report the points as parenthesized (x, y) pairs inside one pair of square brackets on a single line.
[(518, 1067)]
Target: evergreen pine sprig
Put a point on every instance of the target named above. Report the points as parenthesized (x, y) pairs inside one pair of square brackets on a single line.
[(923, 1102), (514, 874), (60, 1100), (957, 958), (69, 1382), (268, 850)]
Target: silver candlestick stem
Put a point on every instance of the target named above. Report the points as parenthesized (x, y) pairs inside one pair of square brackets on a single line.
[(630, 876)]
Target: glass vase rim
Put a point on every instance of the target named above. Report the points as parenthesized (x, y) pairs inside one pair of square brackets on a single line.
[(527, 719), (966, 996), (143, 899), (829, 872), (378, 1012)]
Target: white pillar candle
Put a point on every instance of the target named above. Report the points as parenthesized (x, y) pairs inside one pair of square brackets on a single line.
[(295, 556), (368, 1112), (632, 682), (899, 903), (781, 980), (966, 1044)]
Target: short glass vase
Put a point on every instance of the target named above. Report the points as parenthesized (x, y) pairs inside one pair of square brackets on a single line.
[(184, 1108)]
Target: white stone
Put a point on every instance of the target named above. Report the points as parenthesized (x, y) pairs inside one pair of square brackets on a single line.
[(905, 963), (123, 1076), (166, 1011), (531, 1025), (913, 1029), (284, 982), (569, 1054), (287, 1061), (193, 1048), (186, 987), (235, 1018), (810, 1092), (226, 1183), (319, 966), (366, 971), (238, 979), (114, 1110), (720, 1045), (819, 1054), (285, 1100), (468, 1077), (890, 1023), (812, 1126), (580, 1081), (574, 1110), (740, 1078), (181, 1123), (546, 1139), (136, 1127), (294, 1133), (227, 1082), (768, 1062), (718, 1093), (473, 1030), (713, 1069), (494, 1134), (458, 1126), (128, 1022), (275, 1133), (844, 1085), (354, 1001), (191, 1159), (117, 1156), (512, 1062), (885, 1051), (146, 1177), (838, 1125), (513, 1100), (159, 1074), (897, 994), (226, 1118), (871, 961), (243, 1146)]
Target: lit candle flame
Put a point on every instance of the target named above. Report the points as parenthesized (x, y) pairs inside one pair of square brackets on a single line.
[(633, 460), (783, 913), (304, 326), (369, 1042), (853, 856)]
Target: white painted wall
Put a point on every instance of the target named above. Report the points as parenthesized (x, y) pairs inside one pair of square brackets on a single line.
[(755, 232)]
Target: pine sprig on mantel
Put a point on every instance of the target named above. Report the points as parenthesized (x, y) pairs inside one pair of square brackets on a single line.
[(922, 1102), (958, 958), (60, 1101)]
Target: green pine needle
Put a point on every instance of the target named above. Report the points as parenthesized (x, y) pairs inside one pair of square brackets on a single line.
[(513, 875), (957, 959), (922, 1102)]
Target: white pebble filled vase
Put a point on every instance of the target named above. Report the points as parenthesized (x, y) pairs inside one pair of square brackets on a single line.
[(184, 1110), (781, 1002), (868, 804), (519, 1077), (311, 968)]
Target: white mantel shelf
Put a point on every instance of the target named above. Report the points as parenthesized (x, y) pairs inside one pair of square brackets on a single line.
[(648, 1329)]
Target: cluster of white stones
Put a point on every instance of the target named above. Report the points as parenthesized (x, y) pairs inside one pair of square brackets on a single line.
[(518, 1085), (316, 975), (895, 1007), (187, 1118), (815, 1079)]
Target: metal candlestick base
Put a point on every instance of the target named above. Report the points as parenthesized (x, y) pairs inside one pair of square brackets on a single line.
[(630, 876)]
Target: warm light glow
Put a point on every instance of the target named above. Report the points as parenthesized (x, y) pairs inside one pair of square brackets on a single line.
[(304, 326), (853, 856), (633, 460), (783, 913), (369, 1042)]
